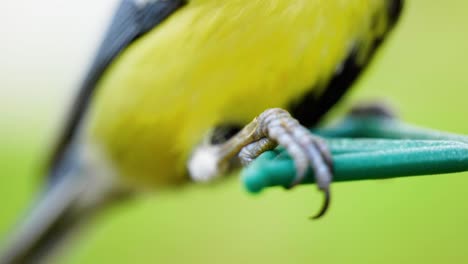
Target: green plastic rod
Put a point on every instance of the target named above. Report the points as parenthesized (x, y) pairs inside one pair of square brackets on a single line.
[(276, 169), (421, 152), (383, 128)]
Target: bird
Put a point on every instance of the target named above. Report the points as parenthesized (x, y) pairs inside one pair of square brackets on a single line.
[(187, 90)]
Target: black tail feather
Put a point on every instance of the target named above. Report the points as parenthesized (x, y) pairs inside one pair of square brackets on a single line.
[(61, 209)]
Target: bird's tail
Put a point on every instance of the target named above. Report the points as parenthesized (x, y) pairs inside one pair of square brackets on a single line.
[(69, 200)]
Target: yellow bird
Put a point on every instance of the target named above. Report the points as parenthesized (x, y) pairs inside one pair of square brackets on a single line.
[(174, 88)]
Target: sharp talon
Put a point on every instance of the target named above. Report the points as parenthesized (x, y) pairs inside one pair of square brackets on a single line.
[(271, 128), (325, 205)]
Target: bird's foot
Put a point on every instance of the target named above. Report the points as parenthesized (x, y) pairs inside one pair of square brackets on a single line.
[(271, 128)]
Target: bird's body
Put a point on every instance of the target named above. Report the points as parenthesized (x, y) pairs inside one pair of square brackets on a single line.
[(170, 72), (213, 63)]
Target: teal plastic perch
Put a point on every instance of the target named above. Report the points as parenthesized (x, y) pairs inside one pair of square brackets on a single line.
[(367, 147)]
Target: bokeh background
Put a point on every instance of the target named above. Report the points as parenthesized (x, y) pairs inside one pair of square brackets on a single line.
[(44, 50)]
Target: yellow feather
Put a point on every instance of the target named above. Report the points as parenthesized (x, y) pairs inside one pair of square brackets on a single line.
[(212, 62)]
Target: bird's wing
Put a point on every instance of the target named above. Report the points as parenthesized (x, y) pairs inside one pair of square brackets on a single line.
[(311, 107), (132, 19)]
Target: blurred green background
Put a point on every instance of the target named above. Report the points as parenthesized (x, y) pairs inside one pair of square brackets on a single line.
[(423, 70)]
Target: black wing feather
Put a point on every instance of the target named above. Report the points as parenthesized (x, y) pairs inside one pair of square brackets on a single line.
[(310, 108), (130, 21)]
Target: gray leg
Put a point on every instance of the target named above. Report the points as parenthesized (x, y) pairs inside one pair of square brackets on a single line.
[(273, 127)]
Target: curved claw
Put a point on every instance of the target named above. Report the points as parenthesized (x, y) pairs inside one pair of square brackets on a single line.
[(325, 205)]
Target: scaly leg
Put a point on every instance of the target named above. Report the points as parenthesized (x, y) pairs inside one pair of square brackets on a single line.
[(273, 127)]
